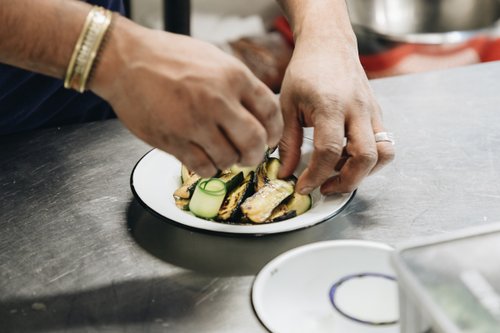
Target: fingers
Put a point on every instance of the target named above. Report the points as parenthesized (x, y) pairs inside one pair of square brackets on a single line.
[(251, 123), (241, 129), (234, 134), (362, 153), (365, 156), (386, 155), (194, 157), (289, 147), (328, 145), (263, 104), (216, 144), (385, 149), (357, 167), (247, 135), (236, 138)]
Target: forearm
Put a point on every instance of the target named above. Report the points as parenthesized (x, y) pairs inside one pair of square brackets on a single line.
[(40, 35), (319, 21)]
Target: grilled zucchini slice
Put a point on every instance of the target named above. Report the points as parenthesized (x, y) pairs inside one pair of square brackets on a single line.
[(182, 203), (260, 205), (185, 173), (246, 170), (187, 188), (295, 205), (232, 180), (266, 171), (230, 210)]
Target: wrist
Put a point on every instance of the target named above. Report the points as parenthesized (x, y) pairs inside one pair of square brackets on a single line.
[(323, 22), (88, 46), (113, 56)]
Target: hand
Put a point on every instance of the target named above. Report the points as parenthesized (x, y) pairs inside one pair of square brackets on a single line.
[(187, 98), (326, 87)]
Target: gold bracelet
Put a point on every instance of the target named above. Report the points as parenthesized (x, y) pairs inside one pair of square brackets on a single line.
[(88, 45)]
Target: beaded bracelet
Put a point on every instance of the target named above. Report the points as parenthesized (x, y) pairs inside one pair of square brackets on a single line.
[(86, 49)]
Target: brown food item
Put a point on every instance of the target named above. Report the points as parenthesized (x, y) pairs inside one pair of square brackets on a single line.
[(267, 56)]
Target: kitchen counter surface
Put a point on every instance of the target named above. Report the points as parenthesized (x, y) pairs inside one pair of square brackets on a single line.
[(79, 254)]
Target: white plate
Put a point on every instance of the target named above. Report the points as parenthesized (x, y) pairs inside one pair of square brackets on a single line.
[(157, 175), (292, 292)]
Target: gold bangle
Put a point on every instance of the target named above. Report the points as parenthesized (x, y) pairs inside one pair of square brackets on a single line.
[(88, 45)]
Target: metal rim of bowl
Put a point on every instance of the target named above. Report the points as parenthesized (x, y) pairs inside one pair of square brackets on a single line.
[(436, 38)]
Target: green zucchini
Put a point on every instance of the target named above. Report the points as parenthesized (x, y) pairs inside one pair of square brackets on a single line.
[(242, 194), (185, 173), (281, 213), (300, 203), (272, 168), (246, 170), (182, 203), (266, 171), (295, 205), (260, 178), (232, 180), (207, 198), (230, 210), (187, 188)]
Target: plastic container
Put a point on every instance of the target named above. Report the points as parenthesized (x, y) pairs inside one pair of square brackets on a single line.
[(451, 284)]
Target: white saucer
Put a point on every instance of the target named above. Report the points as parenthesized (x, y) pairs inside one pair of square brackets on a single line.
[(294, 292)]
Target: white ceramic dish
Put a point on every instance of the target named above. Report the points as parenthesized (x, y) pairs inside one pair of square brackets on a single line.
[(157, 175), (292, 293)]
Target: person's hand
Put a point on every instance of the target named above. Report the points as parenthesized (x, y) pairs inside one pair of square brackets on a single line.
[(325, 87), (187, 98)]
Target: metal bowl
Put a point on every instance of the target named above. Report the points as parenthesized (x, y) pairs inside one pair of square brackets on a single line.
[(425, 21)]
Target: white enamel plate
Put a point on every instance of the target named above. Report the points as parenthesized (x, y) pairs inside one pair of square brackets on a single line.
[(345, 286), (157, 175)]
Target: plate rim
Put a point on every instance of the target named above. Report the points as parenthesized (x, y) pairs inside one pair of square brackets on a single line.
[(279, 259), (219, 232)]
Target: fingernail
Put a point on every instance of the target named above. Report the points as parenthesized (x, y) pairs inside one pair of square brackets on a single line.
[(306, 190)]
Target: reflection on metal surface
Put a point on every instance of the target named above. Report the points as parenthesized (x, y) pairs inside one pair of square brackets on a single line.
[(428, 22), (209, 253)]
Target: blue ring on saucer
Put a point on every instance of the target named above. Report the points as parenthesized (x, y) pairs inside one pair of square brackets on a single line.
[(346, 278)]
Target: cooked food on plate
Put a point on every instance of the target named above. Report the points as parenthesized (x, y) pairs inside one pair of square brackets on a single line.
[(242, 195)]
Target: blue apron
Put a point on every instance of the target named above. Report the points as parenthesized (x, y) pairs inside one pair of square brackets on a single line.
[(29, 100)]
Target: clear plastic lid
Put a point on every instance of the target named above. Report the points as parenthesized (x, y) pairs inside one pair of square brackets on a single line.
[(460, 277)]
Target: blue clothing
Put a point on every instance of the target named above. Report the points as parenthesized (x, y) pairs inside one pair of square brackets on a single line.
[(29, 100)]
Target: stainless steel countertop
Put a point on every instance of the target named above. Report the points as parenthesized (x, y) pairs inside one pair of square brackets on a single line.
[(79, 254)]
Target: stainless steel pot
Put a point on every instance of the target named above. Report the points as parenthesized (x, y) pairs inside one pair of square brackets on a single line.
[(425, 21)]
